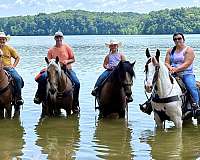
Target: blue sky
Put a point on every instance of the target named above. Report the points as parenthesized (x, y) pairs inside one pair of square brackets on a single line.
[(32, 7)]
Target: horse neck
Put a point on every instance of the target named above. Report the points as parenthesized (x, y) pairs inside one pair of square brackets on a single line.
[(164, 85), (115, 80), (3, 78), (62, 81)]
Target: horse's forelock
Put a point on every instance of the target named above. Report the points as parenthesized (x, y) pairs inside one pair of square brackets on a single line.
[(53, 64), (127, 67)]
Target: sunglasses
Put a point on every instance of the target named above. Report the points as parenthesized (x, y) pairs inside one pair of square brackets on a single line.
[(58, 37), (179, 38)]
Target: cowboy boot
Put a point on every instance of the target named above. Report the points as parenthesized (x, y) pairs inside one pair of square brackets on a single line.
[(94, 91)]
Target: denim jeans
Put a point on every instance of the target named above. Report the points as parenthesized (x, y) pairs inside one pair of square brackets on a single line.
[(102, 78), (76, 82), (190, 83), (19, 83)]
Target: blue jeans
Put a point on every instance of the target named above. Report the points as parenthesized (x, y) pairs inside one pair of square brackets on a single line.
[(18, 81), (190, 84), (102, 78), (74, 79)]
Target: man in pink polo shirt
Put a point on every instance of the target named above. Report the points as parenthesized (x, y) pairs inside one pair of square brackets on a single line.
[(66, 58)]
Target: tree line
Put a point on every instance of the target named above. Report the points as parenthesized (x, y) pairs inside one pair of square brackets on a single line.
[(79, 22)]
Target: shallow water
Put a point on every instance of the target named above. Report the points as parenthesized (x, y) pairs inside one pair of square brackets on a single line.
[(84, 136)]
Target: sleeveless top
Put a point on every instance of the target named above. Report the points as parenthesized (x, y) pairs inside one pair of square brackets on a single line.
[(114, 59), (177, 58)]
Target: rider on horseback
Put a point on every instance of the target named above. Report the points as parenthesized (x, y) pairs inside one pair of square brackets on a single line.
[(8, 53), (179, 61), (111, 60), (66, 57)]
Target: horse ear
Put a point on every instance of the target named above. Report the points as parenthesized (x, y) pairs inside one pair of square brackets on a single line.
[(46, 59), (57, 59), (147, 53), (157, 54), (132, 64)]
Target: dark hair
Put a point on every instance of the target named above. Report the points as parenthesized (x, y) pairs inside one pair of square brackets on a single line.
[(179, 33)]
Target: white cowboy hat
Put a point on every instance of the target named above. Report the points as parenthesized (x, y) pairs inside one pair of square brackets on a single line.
[(59, 33), (3, 35), (112, 42)]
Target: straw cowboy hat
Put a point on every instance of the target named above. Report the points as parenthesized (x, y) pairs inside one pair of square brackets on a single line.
[(113, 42), (3, 35)]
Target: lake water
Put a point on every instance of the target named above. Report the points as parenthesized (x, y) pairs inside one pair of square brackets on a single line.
[(86, 137)]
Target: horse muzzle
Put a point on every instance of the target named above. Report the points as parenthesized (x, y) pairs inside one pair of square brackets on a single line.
[(148, 88)]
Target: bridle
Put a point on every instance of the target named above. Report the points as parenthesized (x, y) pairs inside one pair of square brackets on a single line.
[(155, 76)]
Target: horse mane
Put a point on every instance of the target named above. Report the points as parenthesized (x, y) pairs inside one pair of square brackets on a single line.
[(122, 68)]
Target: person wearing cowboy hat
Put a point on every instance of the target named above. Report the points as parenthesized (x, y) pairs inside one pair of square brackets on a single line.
[(8, 53), (110, 62), (66, 58)]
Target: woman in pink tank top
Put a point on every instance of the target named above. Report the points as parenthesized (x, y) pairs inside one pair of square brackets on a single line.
[(179, 60), (110, 62)]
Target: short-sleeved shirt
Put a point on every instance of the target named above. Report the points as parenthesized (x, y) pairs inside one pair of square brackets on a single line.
[(8, 53), (64, 52)]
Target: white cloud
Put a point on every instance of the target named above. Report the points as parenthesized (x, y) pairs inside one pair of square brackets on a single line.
[(4, 6), (20, 2)]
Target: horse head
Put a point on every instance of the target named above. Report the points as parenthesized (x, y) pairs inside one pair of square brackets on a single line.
[(126, 74), (152, 67), (53, 74)]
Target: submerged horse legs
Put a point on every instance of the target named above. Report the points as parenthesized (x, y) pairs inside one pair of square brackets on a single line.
[(158, 121)]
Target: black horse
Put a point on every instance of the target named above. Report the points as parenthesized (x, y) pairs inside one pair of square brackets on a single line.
[(116, 90)]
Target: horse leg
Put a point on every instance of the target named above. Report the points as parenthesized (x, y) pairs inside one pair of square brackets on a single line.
[(8, 111), (177, 121), (17, 111), (57, 111), (159, 123), (1, 112), (44, 109)]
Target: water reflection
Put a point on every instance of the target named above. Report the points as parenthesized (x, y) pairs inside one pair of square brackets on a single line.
[(173, 144), (11, 139), (112, 139), (59, 137)]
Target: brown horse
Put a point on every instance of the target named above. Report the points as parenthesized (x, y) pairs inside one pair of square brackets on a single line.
[(7, 99), (112, 99), (59, 90)]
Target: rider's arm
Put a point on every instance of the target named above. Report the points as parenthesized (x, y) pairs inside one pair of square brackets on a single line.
[(105, 63), (16, 61), (70, 53), (14, 55), (123, 58), (189, 58), (167, 59)]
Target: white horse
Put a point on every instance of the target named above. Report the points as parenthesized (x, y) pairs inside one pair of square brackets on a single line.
[(166, 94)]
